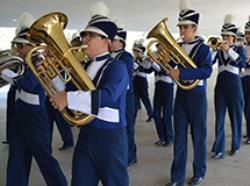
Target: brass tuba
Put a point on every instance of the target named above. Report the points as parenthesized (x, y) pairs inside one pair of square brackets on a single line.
[(57, 61), (171, 52), (8, 60), (214, 43)]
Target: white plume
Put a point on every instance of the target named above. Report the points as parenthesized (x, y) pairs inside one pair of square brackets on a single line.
[(118, 23), (25, 21), (184, 4), (229, 19), (139, 41), (75, 35), (99, 8), (238, 29)]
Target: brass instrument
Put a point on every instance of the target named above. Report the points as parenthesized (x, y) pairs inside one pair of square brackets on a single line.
[(57, 60), (10, 61), (214, 43), (171, 52), (79, 54)]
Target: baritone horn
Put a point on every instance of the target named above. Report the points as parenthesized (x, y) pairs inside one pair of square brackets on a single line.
[(8, 60), (171, 51), (57, 61), (214, 43)]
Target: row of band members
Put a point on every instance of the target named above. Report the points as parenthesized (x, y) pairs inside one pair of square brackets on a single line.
[(106, 146)]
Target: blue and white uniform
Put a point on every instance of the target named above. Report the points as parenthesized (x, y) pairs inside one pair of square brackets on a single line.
[(101, 149), (32, 136), (141, 86), (191, 108), (10, 121), (245, 79), (228, 95), (163, 105), (127, 58)]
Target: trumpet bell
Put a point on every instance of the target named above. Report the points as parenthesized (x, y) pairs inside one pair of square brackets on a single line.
[(214, 43), (57, 60), (170, 51)]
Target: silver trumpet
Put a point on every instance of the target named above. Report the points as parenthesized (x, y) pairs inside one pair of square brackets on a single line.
[(8, 60)]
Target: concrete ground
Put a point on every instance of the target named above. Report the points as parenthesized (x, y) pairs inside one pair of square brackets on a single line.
[(154, 163)]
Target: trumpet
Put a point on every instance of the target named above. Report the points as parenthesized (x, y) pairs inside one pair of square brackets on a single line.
[(12, 62), (214, 43)]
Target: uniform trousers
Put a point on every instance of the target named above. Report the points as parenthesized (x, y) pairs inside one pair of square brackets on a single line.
[(190, 108), (32, 139), (100, 155)]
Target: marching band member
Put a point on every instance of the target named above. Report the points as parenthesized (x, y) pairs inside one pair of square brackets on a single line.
[(190, 105), (101, 150), (228, 90), (118, 52), (141, 65), (10, 113), (163, 104), (32, 135), (245, 77), (240, 41)]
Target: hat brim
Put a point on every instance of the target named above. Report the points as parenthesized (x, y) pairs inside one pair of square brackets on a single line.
[(138, 49), (119, 38), (228, 33), (247, 30), (95, 30), (186, 22), (20, 40)]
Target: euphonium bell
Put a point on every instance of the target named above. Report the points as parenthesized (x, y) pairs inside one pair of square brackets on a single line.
[(57, 60), (171, 52), (8, 60), (214, 43)]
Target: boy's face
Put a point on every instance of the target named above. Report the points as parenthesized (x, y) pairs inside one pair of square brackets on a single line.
[(187, 32), (247, 37), (95, 44)]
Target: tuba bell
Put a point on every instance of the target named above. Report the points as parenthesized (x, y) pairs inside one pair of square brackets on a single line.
[(57, 60), (171, 52), (8, 60)]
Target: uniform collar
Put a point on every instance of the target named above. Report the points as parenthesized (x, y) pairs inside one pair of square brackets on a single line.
[(195, 40), (102, 57), (118, 50)]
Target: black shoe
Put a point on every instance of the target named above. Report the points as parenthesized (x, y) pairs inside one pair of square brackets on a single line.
[(195, 181), (159, 142), (165, 144), (5, 142), (218, 155), (149, 119), (247, 141), (132, 162), (65, 147), (233, 152), (174, 184)]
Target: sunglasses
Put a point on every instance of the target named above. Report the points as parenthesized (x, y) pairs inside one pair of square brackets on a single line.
[(90, 35)]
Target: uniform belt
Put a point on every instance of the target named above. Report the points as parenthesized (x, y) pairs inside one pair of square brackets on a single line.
[(229, 68), (141, 74), (108, 114), (27, 97), (165, 79), (201, 82), (245, 73)]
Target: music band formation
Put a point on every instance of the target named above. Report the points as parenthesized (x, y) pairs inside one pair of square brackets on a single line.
[(95, 84)]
